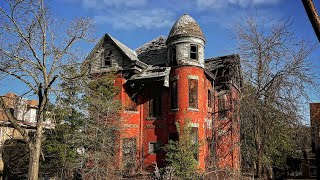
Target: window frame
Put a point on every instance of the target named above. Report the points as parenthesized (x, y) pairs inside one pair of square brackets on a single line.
[(195, 140), (196, 52), (222, 106), (174, 93), (107, 54), (173, 56), (159, 144), (155, 114), (209, 103), (196, 94)]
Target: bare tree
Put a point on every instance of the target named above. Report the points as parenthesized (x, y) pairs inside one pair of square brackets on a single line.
[(276, 71), (33, 49)]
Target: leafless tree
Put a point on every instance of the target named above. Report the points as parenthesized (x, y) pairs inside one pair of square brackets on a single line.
[(276, 71), (34, 48)]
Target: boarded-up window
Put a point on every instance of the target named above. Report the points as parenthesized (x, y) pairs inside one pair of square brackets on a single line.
[(155, 105), (193, 93), (209, 98), (129, 149), (174, 95), (222, 106), (155, 148), (106, 62), (193, 51)]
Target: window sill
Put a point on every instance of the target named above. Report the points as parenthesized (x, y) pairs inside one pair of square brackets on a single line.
[(174, 110), (223, 118), (154, 118), (131, 112), (193, 109)]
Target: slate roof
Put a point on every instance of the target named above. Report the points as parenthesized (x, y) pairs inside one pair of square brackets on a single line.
[(153, 52)]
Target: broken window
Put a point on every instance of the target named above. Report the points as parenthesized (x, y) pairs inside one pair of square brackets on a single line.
[(174, 95), (193, 51), (155, 104), (173, 56), (12, 111), (106, 62), (209, 98), (194, 141), (129, 148), (222, 106), (174, 136), (193, 93), (154, 148)]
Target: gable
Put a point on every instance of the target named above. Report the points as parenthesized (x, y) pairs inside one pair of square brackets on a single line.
[(109, 54)]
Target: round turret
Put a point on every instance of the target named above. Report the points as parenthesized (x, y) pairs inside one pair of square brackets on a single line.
[(185, 43)]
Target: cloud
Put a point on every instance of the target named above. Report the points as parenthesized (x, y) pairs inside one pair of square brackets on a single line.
[(229, 18), (205, 4), (132, 19), (102, 4)]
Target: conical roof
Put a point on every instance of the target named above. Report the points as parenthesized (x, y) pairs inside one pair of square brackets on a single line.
[(185, 26)]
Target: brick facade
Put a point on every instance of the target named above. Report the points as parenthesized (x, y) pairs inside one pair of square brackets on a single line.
[(156, 93)]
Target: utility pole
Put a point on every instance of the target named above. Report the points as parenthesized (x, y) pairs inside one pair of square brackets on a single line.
[(313, 16)]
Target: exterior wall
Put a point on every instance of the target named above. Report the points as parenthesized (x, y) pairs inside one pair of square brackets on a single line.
[(315, 124), (129, 120), (7, 133), (184, 112), (315, 132), (154, 129), (218, 138), (227, 131), (183, 50)]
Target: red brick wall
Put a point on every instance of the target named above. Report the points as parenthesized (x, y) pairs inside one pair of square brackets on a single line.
[(315, 124), (138, 125), (227, 132)]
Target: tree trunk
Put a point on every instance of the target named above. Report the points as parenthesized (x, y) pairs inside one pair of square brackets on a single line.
[(35, 150), (259, 164)]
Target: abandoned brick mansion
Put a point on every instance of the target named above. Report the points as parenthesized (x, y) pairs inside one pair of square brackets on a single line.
[(167, 81)]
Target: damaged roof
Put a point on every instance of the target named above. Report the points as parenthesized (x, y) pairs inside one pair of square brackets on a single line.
[(127, 51), (153, 72), (153, 52), (185, 26), (221, 61)]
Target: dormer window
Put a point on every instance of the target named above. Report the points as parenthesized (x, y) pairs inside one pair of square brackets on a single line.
[(193, 51), (106, 61)]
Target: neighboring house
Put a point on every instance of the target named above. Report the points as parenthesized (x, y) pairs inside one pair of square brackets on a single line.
[(307, 165), (315, 139), (168, 81), (25, 111)]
